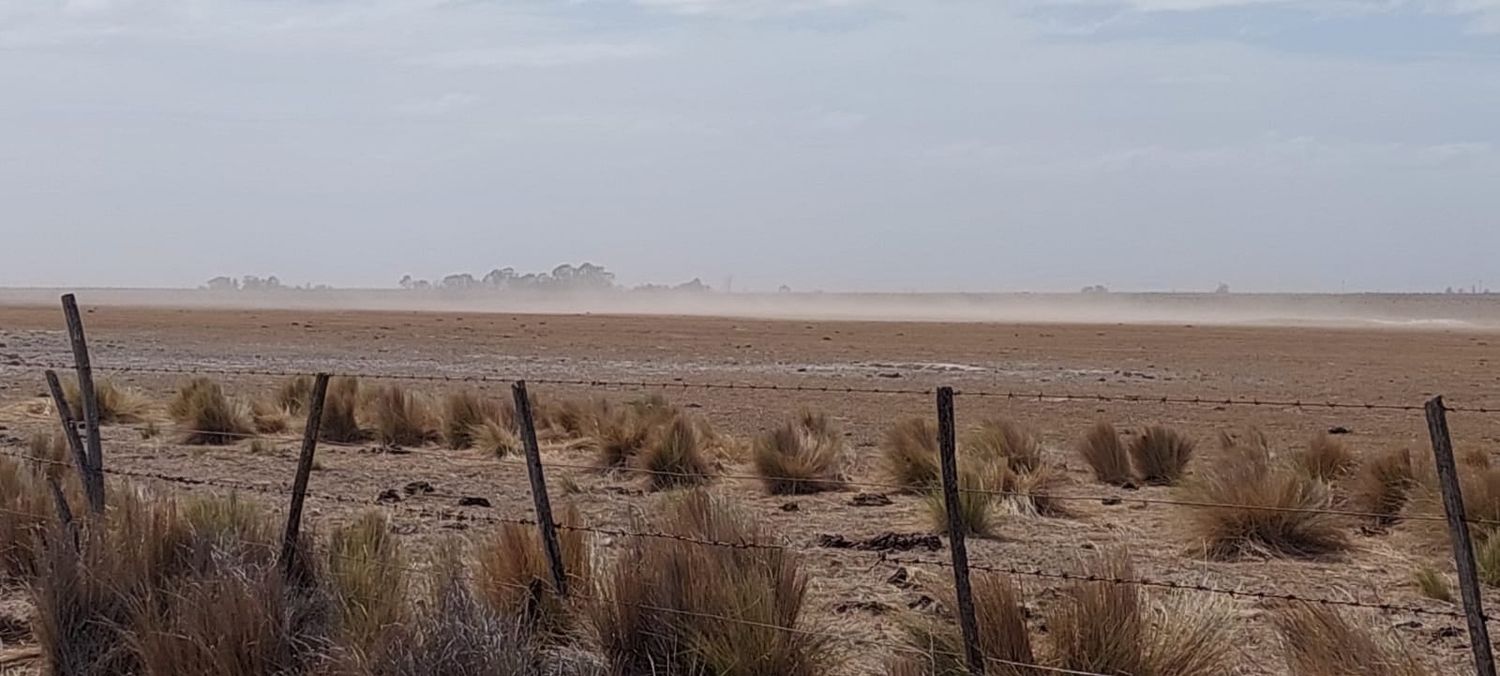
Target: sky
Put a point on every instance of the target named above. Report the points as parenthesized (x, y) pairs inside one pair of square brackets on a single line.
[(840, 145)]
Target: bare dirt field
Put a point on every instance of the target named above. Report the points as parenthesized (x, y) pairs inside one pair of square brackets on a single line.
[(852, 592)]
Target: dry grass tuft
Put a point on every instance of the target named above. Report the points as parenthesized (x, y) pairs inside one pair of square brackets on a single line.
[(367, 569), (803, 456), (909, 454), (402, 418), (622, 437), (293, 394), (26, 517), (491, 437), (1002, 440), (340, 423), (268, 418), (1106, 455), (1003, 636), (209, 417), (465, 412), (1113, 628), (658, 602), (976, 502), (1432, 584), (1161, 455), (1264, 507), (511, 574), (1320, 641), (1382, 485), (1325, 458), (677, 458), (117, 403)]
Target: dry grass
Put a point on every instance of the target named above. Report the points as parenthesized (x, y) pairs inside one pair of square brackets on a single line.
[(1106, 455), (1161, 455), (402, 418), (1263, 508), (1002, 440), (803, 456), (677, 458), (1113, 628), (1325, 458), (54, 456), (117, 403), (976, 502), (466, 411), (1431, 582), (660, 599), (340, 423), (492, 437), (511, 574), (1382, 485), (293, 394), (367, 569), (1003, 636), (1487, 559), (208, 416), (909, 454), (622, 437), (1318, 640), (1031, 493), (26, 518), (268, 418)]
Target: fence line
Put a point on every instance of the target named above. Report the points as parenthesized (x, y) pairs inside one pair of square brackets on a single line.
[(882, 557), (1012, 395)]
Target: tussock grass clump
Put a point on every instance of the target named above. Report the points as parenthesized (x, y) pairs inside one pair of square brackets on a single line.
[(1432, 584), (1317, 640), (402, 418), (466, 411), (803, 456), (659, 599), (976, 503), (293, 393), (268, 418), (512, 575), (622, 437), (1003, 440), (1106, 455), (210, 418), (52, 453), (26, 515), (492, 437), (367, 569), (1383, 484), (1003, 636), (340, 423), (117, 403), (1161, 455), (909, 454), (677, 458), (1325, 458), (1263, 507), (1113, 628)]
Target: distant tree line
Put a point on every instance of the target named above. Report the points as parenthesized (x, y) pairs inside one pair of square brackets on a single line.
[(253, 283), (565, 277)]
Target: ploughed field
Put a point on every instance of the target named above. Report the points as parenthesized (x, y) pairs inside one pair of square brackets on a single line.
[(864, 595)]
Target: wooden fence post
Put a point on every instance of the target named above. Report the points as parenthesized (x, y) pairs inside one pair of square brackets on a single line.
[(539, 488), (304, 471), (1458, 530), (86, 392), (93, 490), (947, 448), (64, 513)]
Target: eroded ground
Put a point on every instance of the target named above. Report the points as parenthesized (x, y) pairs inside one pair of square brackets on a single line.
[(852, 593)]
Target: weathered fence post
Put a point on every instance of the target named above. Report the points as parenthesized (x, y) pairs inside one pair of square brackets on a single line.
[(1458, 530), (93, 487), (947, 448), (304, 471), (86, 393), (539, 487)]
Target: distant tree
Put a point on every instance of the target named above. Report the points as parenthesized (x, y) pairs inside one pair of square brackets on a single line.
[(694, 286), (462, 280), (784, 289), (1096, 288), (407, 282), (499, 278), (223, 284), (421, 285), (592, 277), (1223, 289)]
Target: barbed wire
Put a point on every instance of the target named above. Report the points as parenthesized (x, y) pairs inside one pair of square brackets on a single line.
[(1011, 395)]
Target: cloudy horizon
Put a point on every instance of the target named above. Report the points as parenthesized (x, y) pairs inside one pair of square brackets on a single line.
[(843, 145)]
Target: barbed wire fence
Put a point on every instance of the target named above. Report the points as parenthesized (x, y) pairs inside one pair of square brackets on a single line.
[(82, 432)]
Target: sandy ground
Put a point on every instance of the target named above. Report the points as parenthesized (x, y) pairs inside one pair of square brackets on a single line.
[(851, 592)]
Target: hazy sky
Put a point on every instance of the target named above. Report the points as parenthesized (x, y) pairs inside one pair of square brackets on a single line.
[(835, 144)]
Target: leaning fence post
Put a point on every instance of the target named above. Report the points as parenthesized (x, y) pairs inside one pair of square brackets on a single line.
[(947, 449), (539, 487), (86, 392), (94, 492), (304, 470), (1458, 530)]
